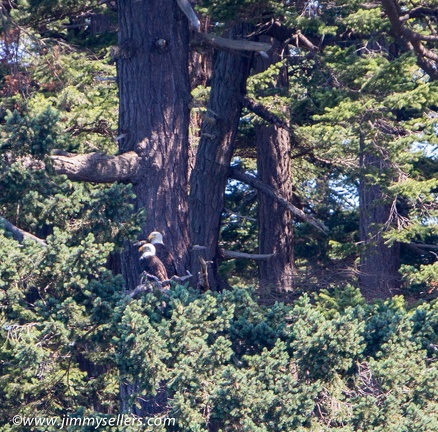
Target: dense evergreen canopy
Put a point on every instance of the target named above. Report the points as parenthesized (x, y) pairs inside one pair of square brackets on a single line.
[(300, 133)]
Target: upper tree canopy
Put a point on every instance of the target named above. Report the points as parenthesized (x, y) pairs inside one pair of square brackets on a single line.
[(120, 118), (361, 77)]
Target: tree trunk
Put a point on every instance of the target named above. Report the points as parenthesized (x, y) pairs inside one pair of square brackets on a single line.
[(200, 69), (210, 173), (154, 91), (274, 222), (379, 263)]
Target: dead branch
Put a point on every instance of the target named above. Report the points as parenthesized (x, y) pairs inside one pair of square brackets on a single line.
[(180, 279), (238, 174), (231, 212), (107, 78), (203, 274), (19, 234), (418, 12), (188, 11), (96, 167), (305, 41), (233, 44), (139, 289), (421, 248), (149, 282), (228, 254)]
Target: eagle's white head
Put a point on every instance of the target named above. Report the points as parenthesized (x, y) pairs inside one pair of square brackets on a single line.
[(147, 250), (156, 237)]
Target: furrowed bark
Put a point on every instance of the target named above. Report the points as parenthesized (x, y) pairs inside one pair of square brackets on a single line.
[(216, 146), (154, 92), (275, 220), (275, 230), (379, 263), (152, 62)]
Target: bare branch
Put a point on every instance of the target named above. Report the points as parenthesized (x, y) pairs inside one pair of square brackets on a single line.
[(305, 41), (203, 274), (231, 212), (233, 44), (180, 279), (264, 113), (237, 174), (424, 246), (188, 11), (97, 167), (19, 234), (228, 254), (418, 12), (150, 282)]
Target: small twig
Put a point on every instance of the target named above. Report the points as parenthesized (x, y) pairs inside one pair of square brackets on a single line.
[(231, 212), (180, 279)]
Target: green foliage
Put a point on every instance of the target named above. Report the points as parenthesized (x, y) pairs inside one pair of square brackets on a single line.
[(69, 337), (227, 362), (51, 317), (366, 21), (72, 341), (230, 10), (238, 232)]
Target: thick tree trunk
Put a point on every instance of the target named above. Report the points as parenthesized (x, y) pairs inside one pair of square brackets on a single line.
[(209, 176), (152, 69), (154, 91), (201, 69), (274, 222), (379, 263)]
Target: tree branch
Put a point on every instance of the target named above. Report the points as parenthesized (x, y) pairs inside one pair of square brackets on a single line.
[(19, 234), (203, 274), (188, 11), (423, 246), (97, 167), (233, 44), (305, 41), (228, 254), (264, 113), (237, 174), (418, 12), (426, 57)]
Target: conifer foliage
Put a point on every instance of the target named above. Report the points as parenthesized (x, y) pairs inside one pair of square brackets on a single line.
[(348, 100)]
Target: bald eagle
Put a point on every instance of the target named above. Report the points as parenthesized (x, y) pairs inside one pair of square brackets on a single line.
[(150, 263), (156, 238)]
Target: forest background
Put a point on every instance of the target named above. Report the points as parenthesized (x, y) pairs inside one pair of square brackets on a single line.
[(289, 144)]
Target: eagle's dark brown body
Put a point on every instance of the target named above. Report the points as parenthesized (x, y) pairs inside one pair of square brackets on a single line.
[(150, 263)]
